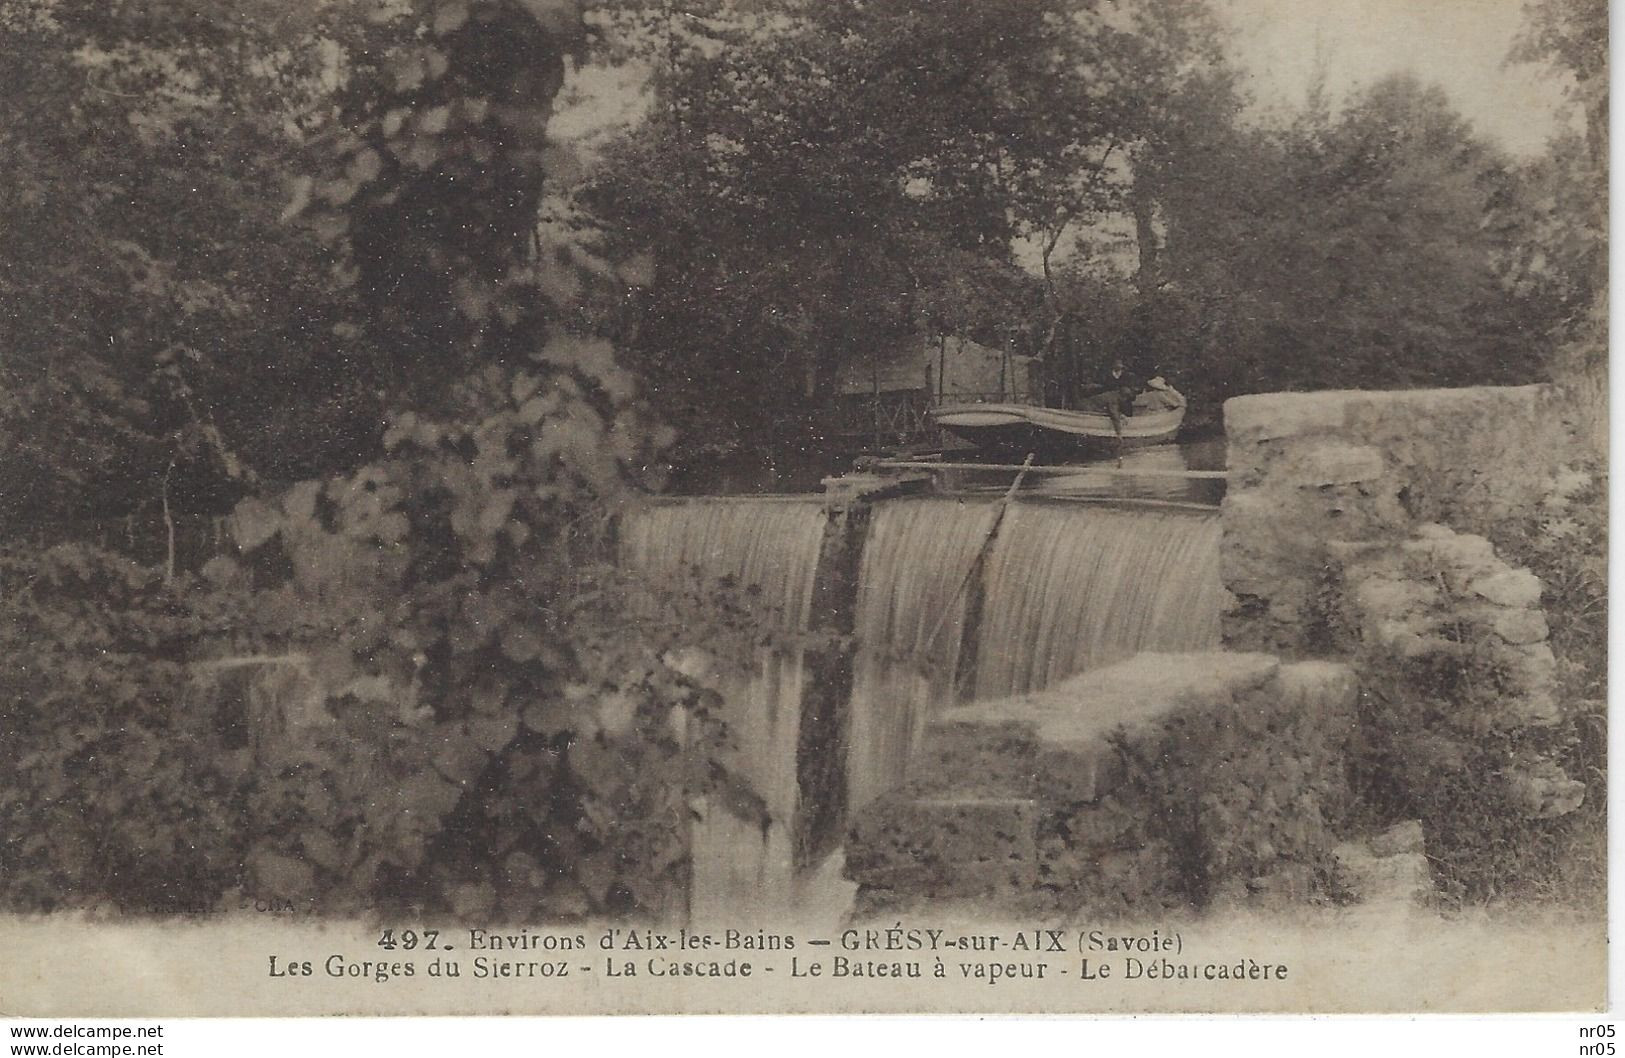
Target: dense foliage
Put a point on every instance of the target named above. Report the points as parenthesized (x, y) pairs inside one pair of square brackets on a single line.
[(807, 183), (815, 179), (444, 748), (166, 338), (1407, 280), (111, 766), (491, 721)]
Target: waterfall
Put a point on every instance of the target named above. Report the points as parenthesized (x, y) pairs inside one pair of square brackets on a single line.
[(909, 625), (1063, 588), (1069, 589), (742, 869)]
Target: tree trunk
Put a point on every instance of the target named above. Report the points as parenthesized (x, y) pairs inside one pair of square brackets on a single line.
[(1145, 237), (1143, 356)]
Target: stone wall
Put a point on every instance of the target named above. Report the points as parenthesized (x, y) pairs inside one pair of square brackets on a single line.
[(1306, 468)]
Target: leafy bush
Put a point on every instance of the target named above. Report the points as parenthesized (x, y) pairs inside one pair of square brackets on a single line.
[(1564, 541), (479, 741), (487, 719), (1243, 803), (509, 688), (1431, 748), (118, 791)]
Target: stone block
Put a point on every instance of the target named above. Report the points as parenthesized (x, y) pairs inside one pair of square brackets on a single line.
[(1461, 559), (1034, 794), (1399, 838), (1256, 418), (1140, 690), (1520, 627), (1392, 597), (1512, 587), (1532, 666), (1431, 538), (945, 847), (1335, 463), (1054, 745), (975, 756), (1302, 467), (1404, 879), (1544, 791)]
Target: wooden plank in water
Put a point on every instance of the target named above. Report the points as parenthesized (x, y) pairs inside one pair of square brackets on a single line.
[(1131, 501)]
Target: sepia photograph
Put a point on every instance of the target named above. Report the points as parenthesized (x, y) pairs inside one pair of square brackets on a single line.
[(519, 507)]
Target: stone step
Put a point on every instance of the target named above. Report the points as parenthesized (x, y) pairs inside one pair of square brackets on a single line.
[(1070, 790)]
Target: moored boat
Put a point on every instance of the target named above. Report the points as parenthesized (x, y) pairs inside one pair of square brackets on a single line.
[(1056, 431)]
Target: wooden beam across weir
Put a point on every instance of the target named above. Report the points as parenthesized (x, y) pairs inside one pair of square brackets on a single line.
[(1126, 472)]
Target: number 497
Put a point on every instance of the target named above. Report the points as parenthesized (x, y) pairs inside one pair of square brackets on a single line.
[(409, 939)]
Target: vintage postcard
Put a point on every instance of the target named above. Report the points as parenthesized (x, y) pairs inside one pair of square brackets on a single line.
[(803, 506)]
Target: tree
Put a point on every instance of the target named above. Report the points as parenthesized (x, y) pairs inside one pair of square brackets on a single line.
[(491, 709), (1374, 247), (167, 338), (1572, 36), (1569, 250), (815, 174), (478, 593)]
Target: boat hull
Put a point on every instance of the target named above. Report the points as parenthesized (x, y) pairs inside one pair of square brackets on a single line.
[(1054, 431)]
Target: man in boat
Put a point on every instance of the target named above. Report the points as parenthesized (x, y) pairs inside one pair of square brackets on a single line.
[(1112, 393)]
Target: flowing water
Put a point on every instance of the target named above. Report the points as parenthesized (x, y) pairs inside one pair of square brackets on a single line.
[(910, 622), (743, 870), (1159, 479), (1063, 588), (1069, 589)]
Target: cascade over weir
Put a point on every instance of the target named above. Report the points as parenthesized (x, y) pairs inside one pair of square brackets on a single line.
[(937, 613), (742, 867)]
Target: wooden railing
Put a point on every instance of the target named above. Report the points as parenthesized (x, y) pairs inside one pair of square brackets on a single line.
[(989, 397), (897, 418)]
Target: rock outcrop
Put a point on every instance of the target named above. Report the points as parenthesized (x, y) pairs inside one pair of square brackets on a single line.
[(1440, 610), (1354, 465), (1360, 524)]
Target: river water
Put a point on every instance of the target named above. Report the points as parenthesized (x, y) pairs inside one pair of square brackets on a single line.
[(804, 473)]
